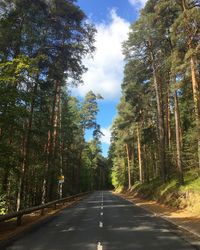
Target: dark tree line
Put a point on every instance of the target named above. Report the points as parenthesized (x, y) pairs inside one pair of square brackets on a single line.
[(42, 44)]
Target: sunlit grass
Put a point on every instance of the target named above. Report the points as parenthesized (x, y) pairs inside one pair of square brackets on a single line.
[(192, 181), (171, 193)]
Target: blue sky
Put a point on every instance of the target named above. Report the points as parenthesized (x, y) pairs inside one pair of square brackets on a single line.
[(112, 19)]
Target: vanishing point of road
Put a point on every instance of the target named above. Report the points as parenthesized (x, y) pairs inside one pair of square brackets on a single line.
[(102, 221)]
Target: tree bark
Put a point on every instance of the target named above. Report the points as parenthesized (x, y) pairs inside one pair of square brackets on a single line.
[(195, 82), (133, 163), (196, 97), (178, 138), (26, 150), (49, 177), (129, 165), (139, 155), (161, 129)]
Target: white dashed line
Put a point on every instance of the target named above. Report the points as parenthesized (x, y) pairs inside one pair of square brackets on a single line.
[(101, 213), (99, 246), (101, 207), (100, 224)]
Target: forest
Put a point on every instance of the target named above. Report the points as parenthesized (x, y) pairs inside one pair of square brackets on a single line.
[(156, 134), (42, 127)]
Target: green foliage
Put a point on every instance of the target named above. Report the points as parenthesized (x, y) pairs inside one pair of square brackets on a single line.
[(41, 134), (162, 58), (192, 181)]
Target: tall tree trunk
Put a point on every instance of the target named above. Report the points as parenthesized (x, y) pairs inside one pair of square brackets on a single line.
[(55, 122), (25, 153), (195, 82), (46, 167), (21, 175), (49, 178), (167, 126), (161, 129), (129, 165), (139, 155), (168, 118), (26, 149), (133, 163), (178, 138), (196, 97), (146, 167)]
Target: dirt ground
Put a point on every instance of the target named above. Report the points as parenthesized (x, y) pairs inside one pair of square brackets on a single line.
[(183, 218)]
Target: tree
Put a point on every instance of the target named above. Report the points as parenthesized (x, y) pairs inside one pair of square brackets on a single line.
[(161, 53), (45, 48)]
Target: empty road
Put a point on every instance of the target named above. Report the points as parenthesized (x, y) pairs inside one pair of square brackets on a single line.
[(102, 221)]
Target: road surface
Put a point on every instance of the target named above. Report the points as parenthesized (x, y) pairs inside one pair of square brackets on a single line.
[(102, 221)]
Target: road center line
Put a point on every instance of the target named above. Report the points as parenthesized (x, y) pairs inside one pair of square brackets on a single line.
[(101, 213), (100, 224), (99, 246)]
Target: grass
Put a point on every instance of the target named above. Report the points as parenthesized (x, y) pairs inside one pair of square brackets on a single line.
[(171, 193), (192, 182)]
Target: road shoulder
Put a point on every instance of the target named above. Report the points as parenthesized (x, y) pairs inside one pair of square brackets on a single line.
[(182, 219)]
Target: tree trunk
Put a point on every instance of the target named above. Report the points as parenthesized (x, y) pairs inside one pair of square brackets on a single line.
[(129, 165), (52, 191), (25, 153), (146, 167), (49, 176), (161, 130), (133, 163), (139, 155), (178, 138), (195, 83), (168, 119), (196, 97)]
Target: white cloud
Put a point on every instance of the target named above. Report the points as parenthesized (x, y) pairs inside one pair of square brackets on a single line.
[(105, 70), (107, 135), (141, 3)]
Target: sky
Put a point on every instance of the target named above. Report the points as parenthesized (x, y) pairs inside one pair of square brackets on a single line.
[(112, 19)]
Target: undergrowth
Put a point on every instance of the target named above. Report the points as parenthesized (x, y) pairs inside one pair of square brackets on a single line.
[(171, 193)]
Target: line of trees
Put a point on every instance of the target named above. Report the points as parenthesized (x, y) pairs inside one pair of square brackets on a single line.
[(157, 131), (42, 44)]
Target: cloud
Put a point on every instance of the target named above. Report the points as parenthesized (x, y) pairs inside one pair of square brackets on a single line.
[(107, 134), (141, 3), (105, 70)]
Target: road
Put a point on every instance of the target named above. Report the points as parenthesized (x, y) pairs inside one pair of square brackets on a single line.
[(102, 221)]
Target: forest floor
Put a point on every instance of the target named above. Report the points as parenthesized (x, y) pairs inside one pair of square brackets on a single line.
[(9, 229), (183, 218)]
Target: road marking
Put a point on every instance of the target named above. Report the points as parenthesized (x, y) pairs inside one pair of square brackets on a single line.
[(101, 207), (99, 246), (101, 213), (100, 224)]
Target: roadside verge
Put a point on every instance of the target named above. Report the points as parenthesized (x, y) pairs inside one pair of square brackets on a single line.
[(182, 219)]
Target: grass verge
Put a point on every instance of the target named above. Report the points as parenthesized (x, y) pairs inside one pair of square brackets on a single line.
[(186, 196)]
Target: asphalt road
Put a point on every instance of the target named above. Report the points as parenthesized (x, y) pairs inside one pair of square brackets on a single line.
[(103, 221)]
